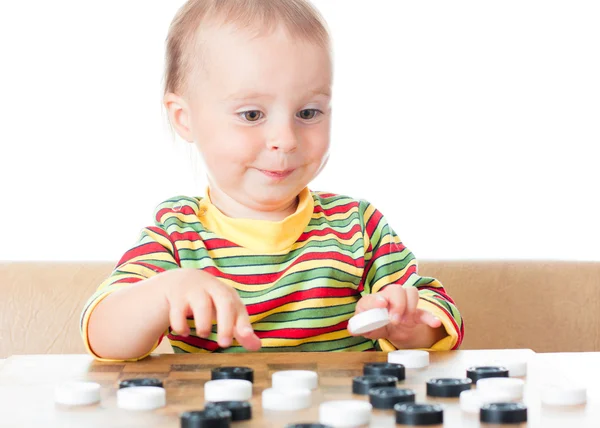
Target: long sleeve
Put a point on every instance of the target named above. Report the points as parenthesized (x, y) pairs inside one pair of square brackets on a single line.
[(388, 261), (153, 253)]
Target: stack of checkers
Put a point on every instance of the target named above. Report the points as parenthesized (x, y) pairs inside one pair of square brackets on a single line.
[(497, 397), (226, 396), (290, 390), (389, 396), (141, 394)]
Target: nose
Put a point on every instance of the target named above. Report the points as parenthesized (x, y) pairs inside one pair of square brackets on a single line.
[(283, 137)]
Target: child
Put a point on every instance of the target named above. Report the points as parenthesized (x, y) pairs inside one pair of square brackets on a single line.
[(277, 266)]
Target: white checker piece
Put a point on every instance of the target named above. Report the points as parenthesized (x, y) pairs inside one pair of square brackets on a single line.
[(228, 390), (294, 379), (141, 398), (286, 400), (409, 359), (345, 413), (77, 393), (367, 321)]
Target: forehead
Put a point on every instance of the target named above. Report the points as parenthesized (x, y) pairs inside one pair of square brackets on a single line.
[(233, 59)]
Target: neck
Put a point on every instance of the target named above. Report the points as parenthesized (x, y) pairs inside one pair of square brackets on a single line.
[(232, 208)]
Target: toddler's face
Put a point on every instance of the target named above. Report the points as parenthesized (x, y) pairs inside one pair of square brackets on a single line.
[(260, 114)]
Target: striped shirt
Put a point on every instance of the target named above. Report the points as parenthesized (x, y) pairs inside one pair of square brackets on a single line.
[(299, 278)]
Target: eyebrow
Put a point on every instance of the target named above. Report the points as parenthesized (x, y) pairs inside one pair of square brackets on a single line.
[(326, 91), (322, 91)]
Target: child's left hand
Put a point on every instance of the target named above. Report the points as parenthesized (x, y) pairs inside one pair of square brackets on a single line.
[(409, 327)]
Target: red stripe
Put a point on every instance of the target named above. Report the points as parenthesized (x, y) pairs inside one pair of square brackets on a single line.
[(329, 231), (324, 195), (127, 280), (366, 269), (266, 278), (217, 243), (185, 209), (313, 293), (164, 234), (196, 341), (155, 268), (337, 209), (143, 250), (439, 290), (460, 336), (160, 213), (373, 222), (300, 333), (185, 236), (159, 231), (383, 251), (150, 248), (411, 270), (460, 331)]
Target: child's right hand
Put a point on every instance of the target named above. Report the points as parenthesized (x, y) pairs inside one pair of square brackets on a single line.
[(198, 293)]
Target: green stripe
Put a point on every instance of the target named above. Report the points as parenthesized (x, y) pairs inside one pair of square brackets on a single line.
[(328, 311), (183, 200), (320, 276), (246, 267), (175, 223), (354, 343), (333, 201), (354, 251), (315, 322), (334, 224), (388, 264), (268, 264)]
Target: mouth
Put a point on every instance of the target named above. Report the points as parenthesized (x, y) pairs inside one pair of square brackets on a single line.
[(277, 174)]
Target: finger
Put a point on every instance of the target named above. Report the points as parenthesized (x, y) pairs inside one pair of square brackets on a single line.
[(371, 301), (225, 310), (178, 317), (244, 333), (425, 317), (412, 300), (376, 334), (202, 307), (397, 298), (367, 302)]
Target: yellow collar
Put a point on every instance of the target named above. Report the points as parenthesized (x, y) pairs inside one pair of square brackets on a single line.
[(258, 235)]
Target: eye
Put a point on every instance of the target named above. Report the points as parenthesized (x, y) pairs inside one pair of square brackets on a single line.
[(308, 113), (252, 115)]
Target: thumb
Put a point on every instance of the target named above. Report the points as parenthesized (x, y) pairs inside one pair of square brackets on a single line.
[(425, 317), (371, 301)]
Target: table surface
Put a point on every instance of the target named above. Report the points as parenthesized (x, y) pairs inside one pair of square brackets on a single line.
[(27, 383)]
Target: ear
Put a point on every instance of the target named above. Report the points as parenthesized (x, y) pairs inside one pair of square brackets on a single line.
[(179, 115)]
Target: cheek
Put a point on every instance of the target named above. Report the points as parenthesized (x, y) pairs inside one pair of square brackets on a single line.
[(319, 142), (240, 145), (229, 149)]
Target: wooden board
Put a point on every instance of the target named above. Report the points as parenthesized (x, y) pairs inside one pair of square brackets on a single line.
[(27, 383)]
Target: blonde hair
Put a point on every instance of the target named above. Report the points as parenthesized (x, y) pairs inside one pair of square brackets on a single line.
[(298, 17)]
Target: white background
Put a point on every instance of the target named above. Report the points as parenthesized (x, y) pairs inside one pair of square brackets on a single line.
[(473, 125)]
